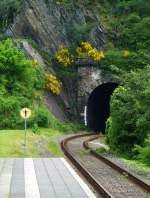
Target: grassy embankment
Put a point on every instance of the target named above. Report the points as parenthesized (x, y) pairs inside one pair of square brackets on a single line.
[(43, 144), (135, 164)]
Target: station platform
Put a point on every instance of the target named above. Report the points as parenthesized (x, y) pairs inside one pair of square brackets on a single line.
[(40, 178)]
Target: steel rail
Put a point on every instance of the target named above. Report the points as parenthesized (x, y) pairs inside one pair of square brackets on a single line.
[(121, 170), (99, 188)]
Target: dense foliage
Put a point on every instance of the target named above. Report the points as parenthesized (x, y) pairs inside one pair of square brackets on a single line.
[(129, 29), (8, 10), (132, 32), (130, 114), (21, 84), (128, 124), (20, 79), (144, 151), (142, 7)]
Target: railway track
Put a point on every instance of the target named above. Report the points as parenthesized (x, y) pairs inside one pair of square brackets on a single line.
[(108, 179)]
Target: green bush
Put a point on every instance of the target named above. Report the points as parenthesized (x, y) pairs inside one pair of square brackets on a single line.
[(19, 81), (130, 113), (17, 73), (41, 116), (131, 32), (80, 32), (116, 63), (9, 111), (35, 128), (144, 151), (8, 10), (130, 25), (142, 7)]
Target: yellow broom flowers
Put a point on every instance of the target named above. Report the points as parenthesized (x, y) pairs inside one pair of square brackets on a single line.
[(64, 57), (86, 49), (53, 84), (126, 53), (34, 62)]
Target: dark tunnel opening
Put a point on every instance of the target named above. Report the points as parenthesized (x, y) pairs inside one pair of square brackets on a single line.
[(98, 107)]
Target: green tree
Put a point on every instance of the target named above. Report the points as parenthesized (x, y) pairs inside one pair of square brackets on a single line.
[(19, 81), (144, 151), (141, 7), (130, 114), (8, 10)]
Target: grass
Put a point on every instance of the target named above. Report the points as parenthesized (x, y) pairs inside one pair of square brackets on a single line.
[(54, 148), (84, 152), (137, 165), (102, 150), (134, 164), (11, 143)]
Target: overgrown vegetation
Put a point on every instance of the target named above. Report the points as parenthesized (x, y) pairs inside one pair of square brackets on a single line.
[(144, 151), (129, 29), (8, 10), (20, 80), (128, 126), (21, 84), (130, 113)]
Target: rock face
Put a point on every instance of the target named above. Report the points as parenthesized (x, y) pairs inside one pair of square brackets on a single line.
[(51, 24), (52, 102)]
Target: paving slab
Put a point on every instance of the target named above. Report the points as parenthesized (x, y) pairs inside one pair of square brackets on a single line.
[(17, 179), (40, 178)]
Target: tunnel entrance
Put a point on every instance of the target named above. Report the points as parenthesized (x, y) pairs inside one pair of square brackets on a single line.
[(98, 107)]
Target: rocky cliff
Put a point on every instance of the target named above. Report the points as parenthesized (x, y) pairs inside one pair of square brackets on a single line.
[(52, 102), (51, 24)]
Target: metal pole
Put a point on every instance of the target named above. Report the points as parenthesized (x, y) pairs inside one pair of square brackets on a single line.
[(25, 134), (85, 115)]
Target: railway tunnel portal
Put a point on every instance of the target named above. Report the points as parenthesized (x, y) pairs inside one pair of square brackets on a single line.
[(98, 106), (95, 88)]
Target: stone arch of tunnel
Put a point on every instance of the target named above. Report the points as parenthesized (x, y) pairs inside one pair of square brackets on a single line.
[(98, 107)]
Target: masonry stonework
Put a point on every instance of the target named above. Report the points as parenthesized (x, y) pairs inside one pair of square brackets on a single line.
[(89, 79)]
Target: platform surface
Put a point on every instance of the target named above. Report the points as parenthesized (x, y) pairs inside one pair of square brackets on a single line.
[(40, 178)]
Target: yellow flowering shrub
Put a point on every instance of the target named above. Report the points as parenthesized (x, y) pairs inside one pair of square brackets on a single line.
[(86, 49), (53, 84), (126, 53), (64, 57), (34, 62)]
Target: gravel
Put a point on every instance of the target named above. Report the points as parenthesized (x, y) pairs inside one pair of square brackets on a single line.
[(141, 174), (116, 184)]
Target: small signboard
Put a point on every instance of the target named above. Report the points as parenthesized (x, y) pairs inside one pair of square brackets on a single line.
[(25, 113)]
